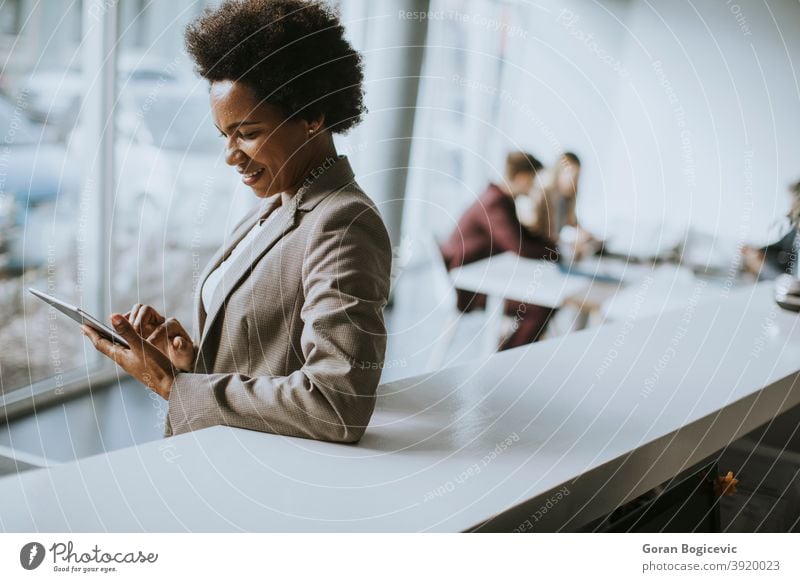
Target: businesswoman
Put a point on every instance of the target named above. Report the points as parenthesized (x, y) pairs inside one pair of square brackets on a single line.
[(290, 335)]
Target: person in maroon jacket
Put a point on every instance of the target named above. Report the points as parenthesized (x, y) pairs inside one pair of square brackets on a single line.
[(490, 226)]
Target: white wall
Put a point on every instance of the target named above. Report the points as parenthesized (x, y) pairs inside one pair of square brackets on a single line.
[(499, 76), (706, 132), (561, 85), (686, 114)]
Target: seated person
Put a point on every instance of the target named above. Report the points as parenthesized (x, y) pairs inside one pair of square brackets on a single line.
[(550, 206), (489, 227), (781, 257)]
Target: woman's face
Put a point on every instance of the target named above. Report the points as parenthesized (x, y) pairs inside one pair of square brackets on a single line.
[(567, 178), (265, 147)]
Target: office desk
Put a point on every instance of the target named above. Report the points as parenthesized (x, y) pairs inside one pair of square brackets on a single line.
[(599, 416), (508, 276)]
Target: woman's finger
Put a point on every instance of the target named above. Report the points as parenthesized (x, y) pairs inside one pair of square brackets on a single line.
[(124, 328), (174, 328), (140, 319), (104, 346), (146, 319), (157, 334), (135, 314), (131, 315)]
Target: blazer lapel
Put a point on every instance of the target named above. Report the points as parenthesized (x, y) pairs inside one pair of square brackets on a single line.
[(216, 260), (317, 187), (279, 225)]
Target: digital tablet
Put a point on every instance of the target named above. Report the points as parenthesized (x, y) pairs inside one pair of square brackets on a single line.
[(82, 317)]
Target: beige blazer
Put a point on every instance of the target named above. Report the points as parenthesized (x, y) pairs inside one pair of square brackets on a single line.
[(294, 338)]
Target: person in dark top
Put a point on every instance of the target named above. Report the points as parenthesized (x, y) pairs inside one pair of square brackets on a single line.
[(780, 257), (490, 226)]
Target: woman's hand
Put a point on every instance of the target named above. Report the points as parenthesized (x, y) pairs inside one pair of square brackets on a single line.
[(144, 319), (752, 260), (143, 360), (168, 335), (172, 340)]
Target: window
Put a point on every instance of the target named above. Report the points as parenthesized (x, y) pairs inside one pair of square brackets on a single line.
[(175, 197), (455, 132), (42, 228)]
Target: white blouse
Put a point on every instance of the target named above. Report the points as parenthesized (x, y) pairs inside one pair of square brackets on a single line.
[(216, 277)]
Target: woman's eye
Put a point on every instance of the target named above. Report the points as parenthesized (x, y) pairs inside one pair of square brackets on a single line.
[(249, 135), (221, 134)]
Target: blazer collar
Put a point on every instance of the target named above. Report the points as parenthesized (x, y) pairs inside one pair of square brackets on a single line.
[(330, 176)]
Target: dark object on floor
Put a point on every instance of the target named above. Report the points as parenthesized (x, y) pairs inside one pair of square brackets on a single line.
[(685, 504)]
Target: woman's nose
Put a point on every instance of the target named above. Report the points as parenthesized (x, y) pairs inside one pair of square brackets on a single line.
[(233, 155)]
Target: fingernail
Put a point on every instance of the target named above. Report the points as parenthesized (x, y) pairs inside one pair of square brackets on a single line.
[(116, 319)]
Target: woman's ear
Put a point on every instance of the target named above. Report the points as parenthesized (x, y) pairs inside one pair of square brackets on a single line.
[(314, 126)]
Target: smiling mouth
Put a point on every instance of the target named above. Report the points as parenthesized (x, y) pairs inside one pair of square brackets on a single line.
[(251, 177)]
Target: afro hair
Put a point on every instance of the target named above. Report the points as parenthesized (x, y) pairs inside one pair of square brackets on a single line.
[(292, 53)]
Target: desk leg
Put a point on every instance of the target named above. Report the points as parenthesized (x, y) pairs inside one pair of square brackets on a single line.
[(582, 319), (494, 323), (440, 348)]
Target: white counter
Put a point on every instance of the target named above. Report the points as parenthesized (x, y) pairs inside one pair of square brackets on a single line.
[(603, 415)]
